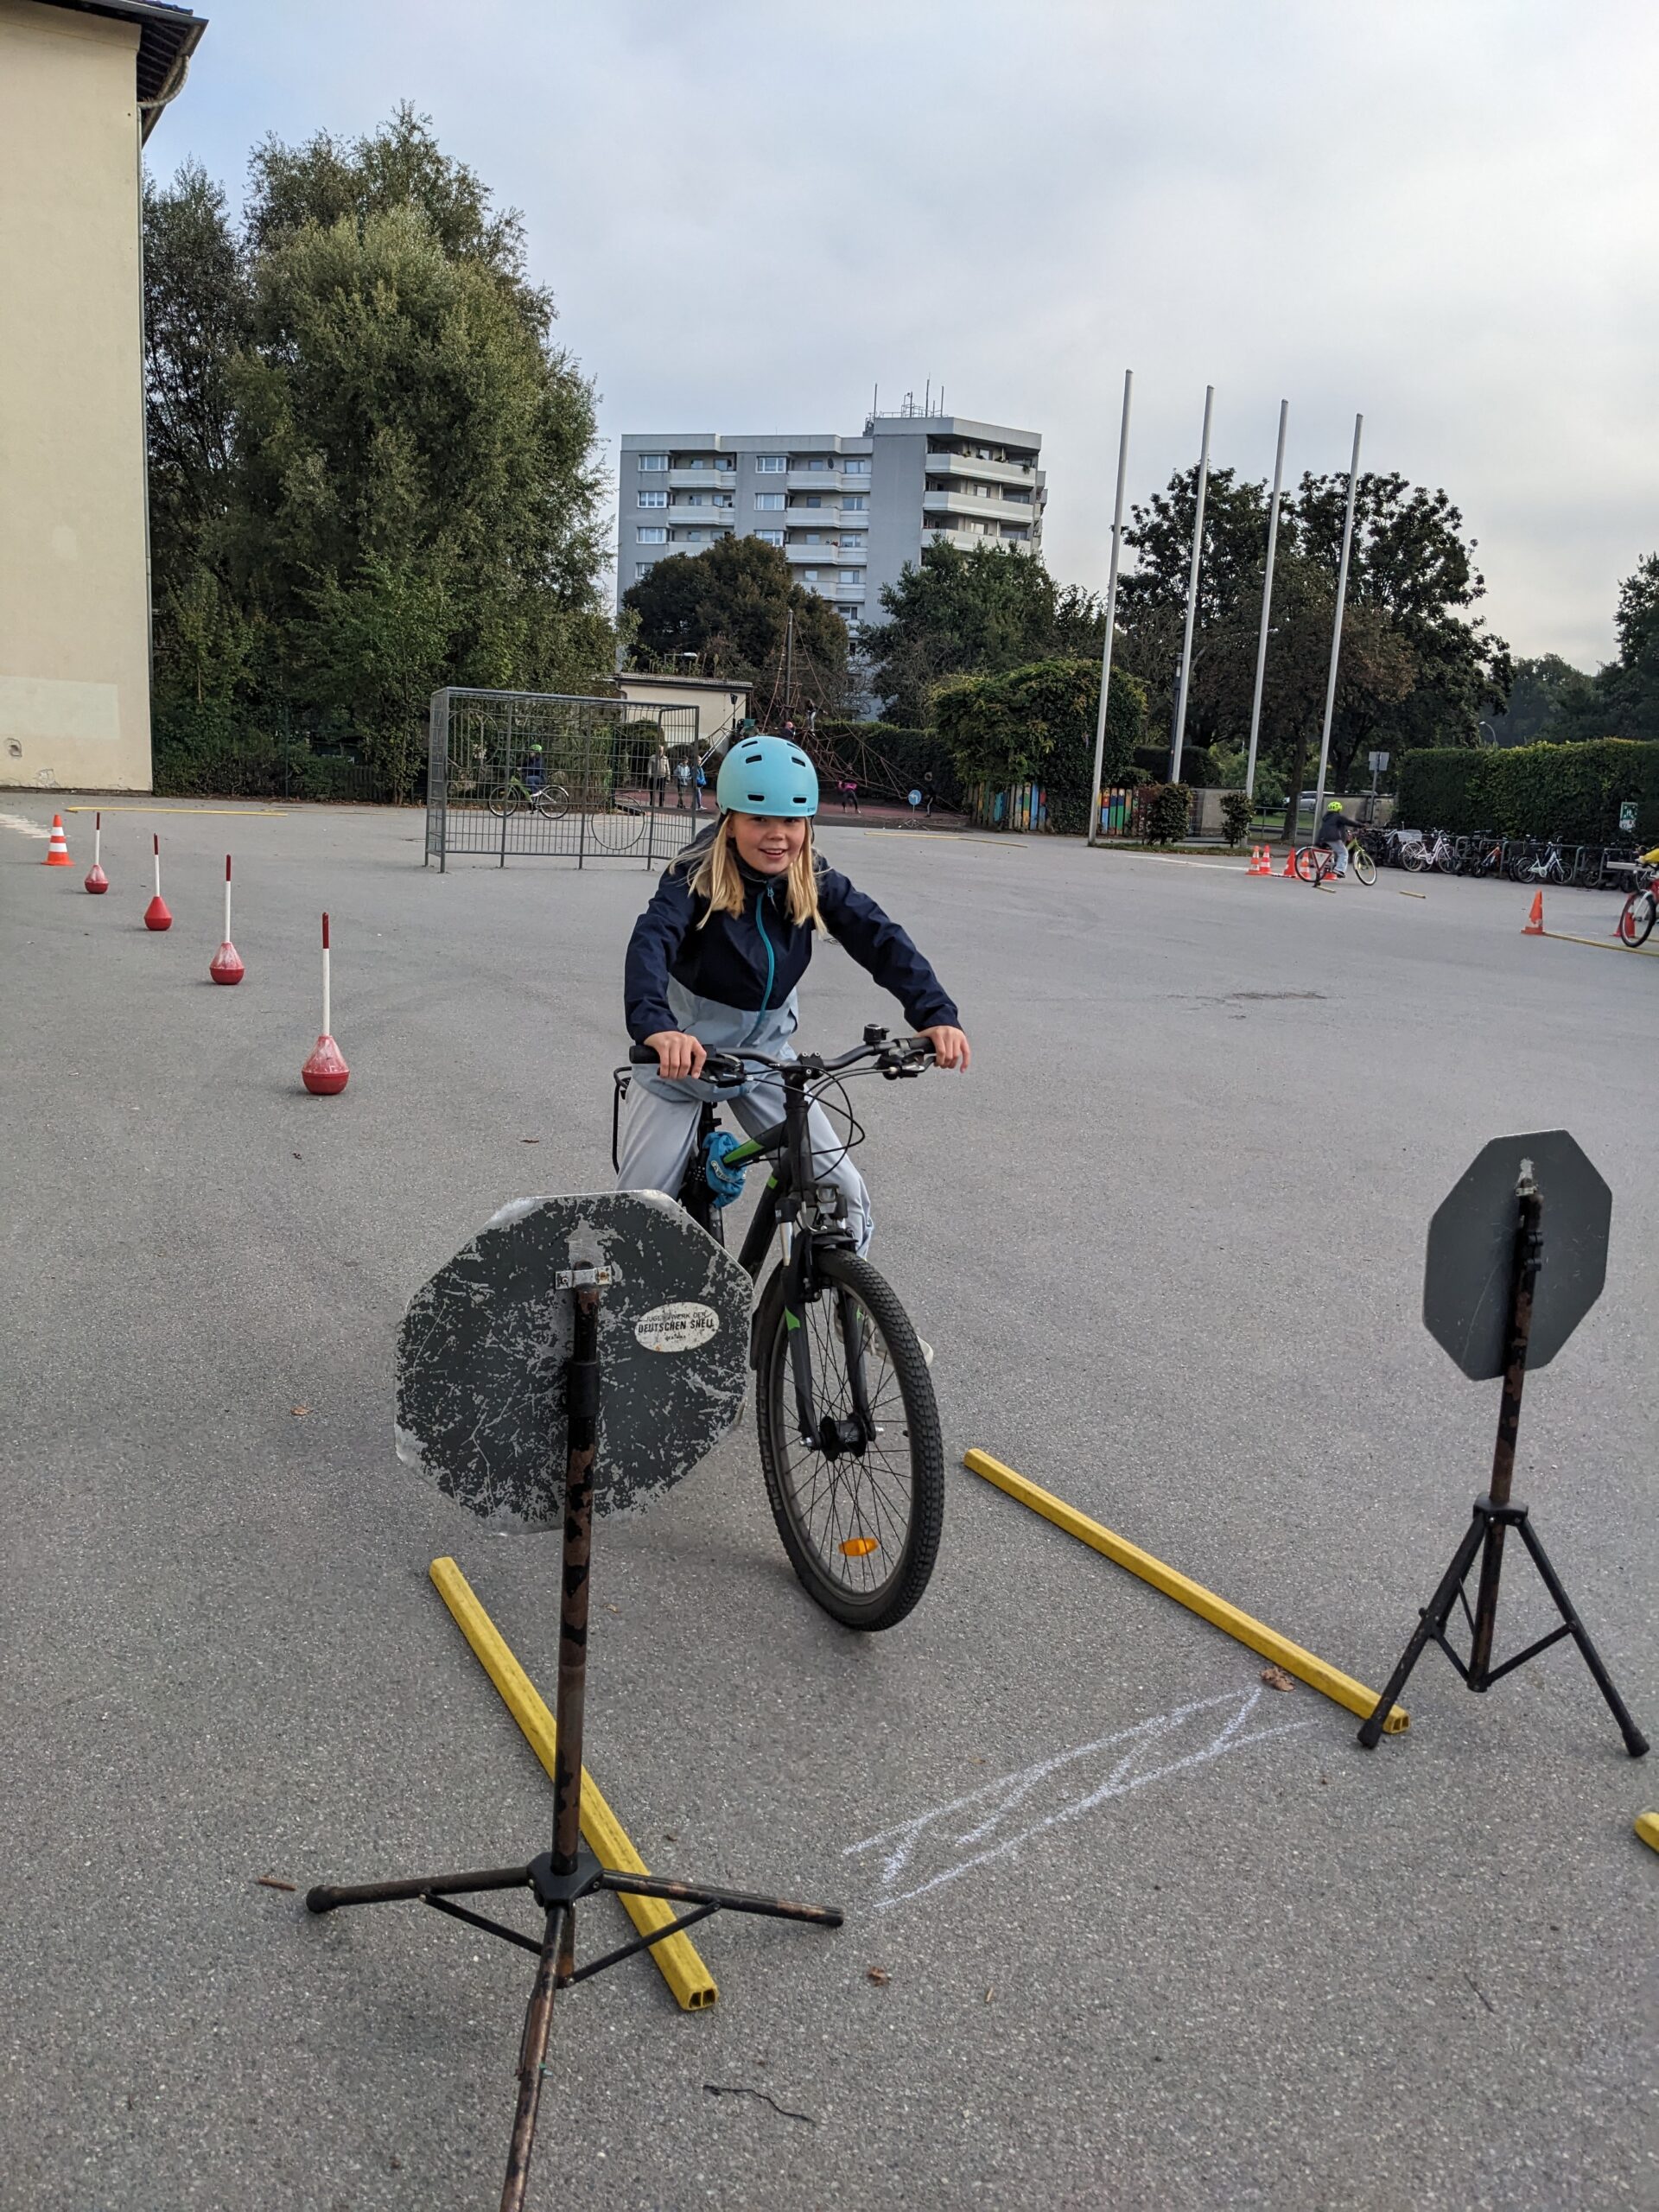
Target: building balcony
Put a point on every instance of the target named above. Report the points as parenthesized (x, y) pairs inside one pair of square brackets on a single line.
[(963, 503), (833, 478), (990, 472), (965, 540), (698, 479), (684, 509)]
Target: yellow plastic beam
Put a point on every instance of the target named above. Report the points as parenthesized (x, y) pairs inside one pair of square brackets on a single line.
[(1647, 1826), (1319, 1675), (676, 1956), (1602, 944)]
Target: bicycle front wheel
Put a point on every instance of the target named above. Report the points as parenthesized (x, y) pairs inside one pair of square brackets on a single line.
[(1363, 865), (553, 802), (1636, 923), (859, 1502)]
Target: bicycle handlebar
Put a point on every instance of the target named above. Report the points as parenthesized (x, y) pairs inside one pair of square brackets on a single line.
[(895, 1056)]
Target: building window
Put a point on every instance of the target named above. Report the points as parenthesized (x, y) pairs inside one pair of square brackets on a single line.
[(654, 498), (808, 575), (771, 464), (852, 541), (815, 460), (852, 576), (810, 499), (857, 465), (642, 569), (854, 504), (770, 537), (652, 536), (771, 502), (653, 463)]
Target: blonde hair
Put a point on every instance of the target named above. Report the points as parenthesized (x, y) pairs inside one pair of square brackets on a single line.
[(718, 881)]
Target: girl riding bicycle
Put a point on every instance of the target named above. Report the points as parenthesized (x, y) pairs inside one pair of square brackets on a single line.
[(714, 961)]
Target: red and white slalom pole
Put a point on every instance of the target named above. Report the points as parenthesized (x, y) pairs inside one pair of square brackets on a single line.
[(98, 882), (225, 967), (325, 1073), (156, 914)]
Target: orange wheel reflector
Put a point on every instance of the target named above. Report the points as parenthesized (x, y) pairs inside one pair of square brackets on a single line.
[(859, 1547)]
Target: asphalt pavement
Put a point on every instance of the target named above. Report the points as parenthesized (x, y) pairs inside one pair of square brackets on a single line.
[(1125, 1925)]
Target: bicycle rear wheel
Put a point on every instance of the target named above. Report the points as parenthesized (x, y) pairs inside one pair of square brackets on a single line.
[(859, 1514), (502, 802), (1307, 864), (1363, 865), (1415, 857)]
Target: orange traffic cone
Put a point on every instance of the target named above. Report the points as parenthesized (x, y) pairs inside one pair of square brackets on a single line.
[(1260, 861), (1535, 919), (57, 851), (1289, 867)]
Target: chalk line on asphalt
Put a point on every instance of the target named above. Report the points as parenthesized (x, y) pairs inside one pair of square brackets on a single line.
[(24, 829), (988, 1808)]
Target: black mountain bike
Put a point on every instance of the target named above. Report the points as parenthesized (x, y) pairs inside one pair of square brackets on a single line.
[(848, 1426)]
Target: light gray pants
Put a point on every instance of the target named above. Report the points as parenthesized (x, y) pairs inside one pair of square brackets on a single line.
[(661, 1126)]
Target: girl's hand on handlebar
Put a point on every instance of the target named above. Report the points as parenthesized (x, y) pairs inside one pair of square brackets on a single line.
[(950, 1048), (679, 1056)]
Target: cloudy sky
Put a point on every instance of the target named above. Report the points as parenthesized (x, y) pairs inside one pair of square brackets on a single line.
[(1441, 213)]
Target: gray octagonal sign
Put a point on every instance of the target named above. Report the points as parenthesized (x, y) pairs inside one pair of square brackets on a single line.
[(481, 1355), (1467, 1275)]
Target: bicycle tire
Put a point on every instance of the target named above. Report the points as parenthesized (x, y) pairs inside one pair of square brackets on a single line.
[(1415, 857), (499, 803), (1635, 921), (552, 805), (1363, 865), (865, 1504), (1306, 866)]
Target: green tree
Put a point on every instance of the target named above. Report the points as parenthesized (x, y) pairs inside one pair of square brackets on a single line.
[(376, 474), (978, 613), (1037, 724), (1622, 700), (732, 605), (1541, 688)]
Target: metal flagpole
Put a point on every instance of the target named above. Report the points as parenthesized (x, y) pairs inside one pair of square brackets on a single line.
[(1111, 607), (1266, 600), (1336, 631), (1192, 593)]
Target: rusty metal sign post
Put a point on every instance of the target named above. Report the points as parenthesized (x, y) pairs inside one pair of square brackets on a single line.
[(560, 1878), (1494, 1299)]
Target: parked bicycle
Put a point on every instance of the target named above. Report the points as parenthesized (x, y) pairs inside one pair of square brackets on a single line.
[(1315, 863), (845, 1416), (1538, 860), (1435, 850)]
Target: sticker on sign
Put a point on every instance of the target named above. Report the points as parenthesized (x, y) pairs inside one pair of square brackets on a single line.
[(680, 1327)]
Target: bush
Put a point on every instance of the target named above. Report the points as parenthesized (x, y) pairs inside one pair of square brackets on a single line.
[(1570, 791), (1168, 810), (1236, 812), (1037, 725)]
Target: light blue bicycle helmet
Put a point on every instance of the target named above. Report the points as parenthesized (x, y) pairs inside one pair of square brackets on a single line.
[(766, 775)]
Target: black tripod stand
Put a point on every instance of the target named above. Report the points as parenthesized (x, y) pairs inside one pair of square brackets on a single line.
[(1494, 1512), (570, 1872)]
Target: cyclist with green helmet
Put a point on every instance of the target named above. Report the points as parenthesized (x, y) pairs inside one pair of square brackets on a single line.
[(714, 961), (1335, 830)]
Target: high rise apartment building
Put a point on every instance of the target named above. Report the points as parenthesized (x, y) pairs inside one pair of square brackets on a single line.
[(847, 513)]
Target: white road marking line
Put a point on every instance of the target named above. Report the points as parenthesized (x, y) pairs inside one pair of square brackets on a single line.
[(994, 1800), (24, 829)]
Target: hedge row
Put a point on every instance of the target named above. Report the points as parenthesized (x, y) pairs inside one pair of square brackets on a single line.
[(1569, 791)]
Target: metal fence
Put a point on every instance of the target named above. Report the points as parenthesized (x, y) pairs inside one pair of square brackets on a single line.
[(541, 774)]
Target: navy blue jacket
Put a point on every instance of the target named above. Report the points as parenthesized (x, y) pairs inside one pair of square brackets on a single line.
[(727, 960)]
